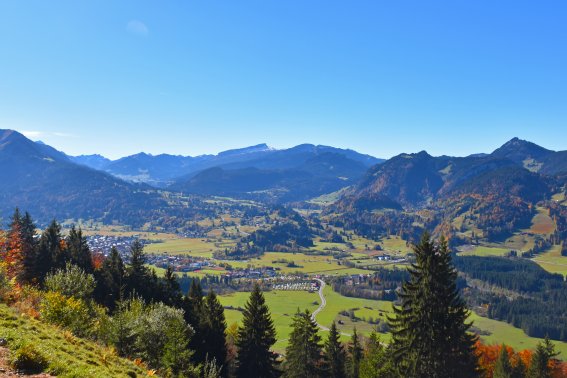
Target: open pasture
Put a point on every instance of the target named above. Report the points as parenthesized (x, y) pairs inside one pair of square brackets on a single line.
[(552, 261), (542, 224), (484, 251), (283, 304)]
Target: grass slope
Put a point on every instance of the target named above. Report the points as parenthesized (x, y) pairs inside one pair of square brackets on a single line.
[(68, 356)]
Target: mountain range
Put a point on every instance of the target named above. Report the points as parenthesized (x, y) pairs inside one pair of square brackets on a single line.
[(45, 182), (49, 183), (519, 168), (164, 169)]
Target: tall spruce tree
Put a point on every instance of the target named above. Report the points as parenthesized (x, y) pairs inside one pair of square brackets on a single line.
[(111, 280), (304, 358), (78, 250), (171, 290), (539, 365), (139, 276), (193, 304), (29, 272), (334, 354), (375, 362), (51, 251), (213, 328), (430, 335), (194, 307), (256, 336), (354, 355), (503, 367)]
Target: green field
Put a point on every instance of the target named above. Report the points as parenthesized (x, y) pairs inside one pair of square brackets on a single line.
[(502, 332), (307, 264), (283, 304), (485, 251), (183, 246), (552, 261)]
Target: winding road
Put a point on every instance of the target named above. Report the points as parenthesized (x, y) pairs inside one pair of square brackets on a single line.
[(322, 305)]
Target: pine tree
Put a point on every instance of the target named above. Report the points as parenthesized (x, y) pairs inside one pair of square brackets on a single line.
[(78, 250), (171, 290), (429, 330), (519, 370), (194, 304), (213, 328), (334, 354), (256, 336), (111, 280), (304, 352), (503, 367), (539, 366), (138, 273), (375, 363), (51, 251), (194, 307), (29, 272), (354, 355)]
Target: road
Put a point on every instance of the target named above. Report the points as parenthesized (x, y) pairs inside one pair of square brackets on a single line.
[(322, 305)]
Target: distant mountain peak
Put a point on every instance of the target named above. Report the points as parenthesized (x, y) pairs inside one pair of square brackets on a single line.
[(522, 152), (246, 150)]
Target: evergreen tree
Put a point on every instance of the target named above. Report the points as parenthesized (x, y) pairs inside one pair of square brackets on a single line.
[(304, 352), (519, 370), (375, 363), (539, 366), (78, 250), (138, 274), (171, 290), (29, 272), (256, 336), (51, 251), (429, 330), (354, 355), (194, 305), (111, 280), (334, 354), (503, 367), (213, 328)]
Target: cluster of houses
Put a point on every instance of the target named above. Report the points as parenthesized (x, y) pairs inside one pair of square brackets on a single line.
[(179, 263), (103, 244), (253, 273)]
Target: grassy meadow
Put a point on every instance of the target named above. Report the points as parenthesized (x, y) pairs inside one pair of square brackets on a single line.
[(67, 355)]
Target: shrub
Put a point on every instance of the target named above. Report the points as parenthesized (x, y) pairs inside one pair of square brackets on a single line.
[(67, 312), (29, 359), (71, 282)]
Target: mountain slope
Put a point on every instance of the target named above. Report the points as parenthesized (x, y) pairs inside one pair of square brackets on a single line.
[(50, 186), (534, 157), (309, 176), (162, 170), (66, 354), (95, 161)]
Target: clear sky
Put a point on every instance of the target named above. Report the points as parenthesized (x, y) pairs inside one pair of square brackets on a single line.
[(192, 77)]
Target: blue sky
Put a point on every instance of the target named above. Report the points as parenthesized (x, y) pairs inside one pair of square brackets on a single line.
[(194, 77)]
